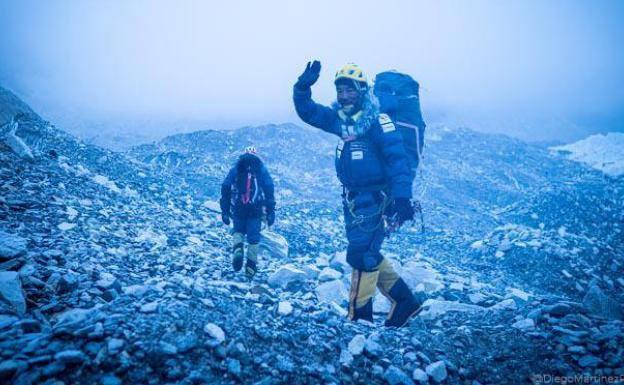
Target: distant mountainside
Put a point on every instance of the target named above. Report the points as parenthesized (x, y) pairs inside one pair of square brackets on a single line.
[(114, 267), (300, 159)]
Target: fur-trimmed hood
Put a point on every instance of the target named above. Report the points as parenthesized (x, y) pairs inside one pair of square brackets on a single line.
[(370, 112)]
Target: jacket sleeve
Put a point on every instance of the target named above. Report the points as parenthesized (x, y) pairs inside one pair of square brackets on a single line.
[(314, 114), (390, 143), (268, 188), (226, 192)]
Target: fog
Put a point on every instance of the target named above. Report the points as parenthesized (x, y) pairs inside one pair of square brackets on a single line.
[(538, 70)]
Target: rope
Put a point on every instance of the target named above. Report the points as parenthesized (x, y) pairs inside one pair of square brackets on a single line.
[(359, 219)]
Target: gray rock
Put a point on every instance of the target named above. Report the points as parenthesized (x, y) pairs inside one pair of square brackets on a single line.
[(187, 343), (27, 270), (329, 274), (110, 379), (73, 318), (285, 364), (589, 361), (577, 349), (437, 371), (420, 376), (312, 271), (53, 369), (395, 376), (275, 244), (115, 345), (108, 281), (216, 334), (149, 307), (7, 320), (11, 292), (234, 367), (339, 261), (599, 304), (286, 275), (10, 367), (167, 349), (535, 315), (356, 345), (11, 246), (346, 358), (67, 283), (332, 291), (137, 291), (70, 357), (524, 325), (558, 309), (372, 347), (29, 325), (284, 308)]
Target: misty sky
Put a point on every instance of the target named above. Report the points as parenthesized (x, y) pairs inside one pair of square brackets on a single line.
[(535, 69)]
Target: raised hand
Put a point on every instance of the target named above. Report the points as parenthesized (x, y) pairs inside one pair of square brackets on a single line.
[(310, 75)]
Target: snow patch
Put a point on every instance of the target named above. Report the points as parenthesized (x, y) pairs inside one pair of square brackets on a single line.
[(104, 181), (601, 152), (66, 226), (148, 235)]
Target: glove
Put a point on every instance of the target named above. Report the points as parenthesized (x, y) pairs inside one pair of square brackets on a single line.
[(309, 76), (225, 219), (403, 209)]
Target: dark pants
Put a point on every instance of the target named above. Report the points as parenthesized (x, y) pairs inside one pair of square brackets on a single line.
[(365, 233), (365, 229), (249, 226)]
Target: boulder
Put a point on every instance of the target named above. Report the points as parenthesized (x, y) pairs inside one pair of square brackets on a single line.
[(286, 275), (274, 244), (284, 308), (415, 274), (433, 308), (339, 262), (216, 334), (332, 291), (11, 246), (312, 271), (395, 376), (420, 376), (329, 274), (437, 371), (356, 345), (524, 325), (11, 292), (598, 304)]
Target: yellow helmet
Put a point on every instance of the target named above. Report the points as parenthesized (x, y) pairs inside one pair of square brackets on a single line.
[(353, 72)]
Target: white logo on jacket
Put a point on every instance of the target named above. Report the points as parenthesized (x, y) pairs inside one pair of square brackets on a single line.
[(386, 123)]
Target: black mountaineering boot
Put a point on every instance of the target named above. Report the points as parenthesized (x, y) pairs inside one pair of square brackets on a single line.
[(251, 267), (237, 256), (364, 313), (405, 304)]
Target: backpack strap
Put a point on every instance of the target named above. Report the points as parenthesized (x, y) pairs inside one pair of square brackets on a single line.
[(246, 196), (418, 138)]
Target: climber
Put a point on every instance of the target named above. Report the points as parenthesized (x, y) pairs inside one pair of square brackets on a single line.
[(247, 197), (373, 168)]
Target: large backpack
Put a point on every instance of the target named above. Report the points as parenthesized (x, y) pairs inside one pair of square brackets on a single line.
[(398, 96), (248, 192)]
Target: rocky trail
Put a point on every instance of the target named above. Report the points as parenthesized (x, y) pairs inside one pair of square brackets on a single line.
[(115, 270)]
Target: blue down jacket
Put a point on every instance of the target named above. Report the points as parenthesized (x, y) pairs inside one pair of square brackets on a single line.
[(371, 155)]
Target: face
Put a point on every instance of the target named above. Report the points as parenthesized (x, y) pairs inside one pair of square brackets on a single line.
[(348, 97)]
